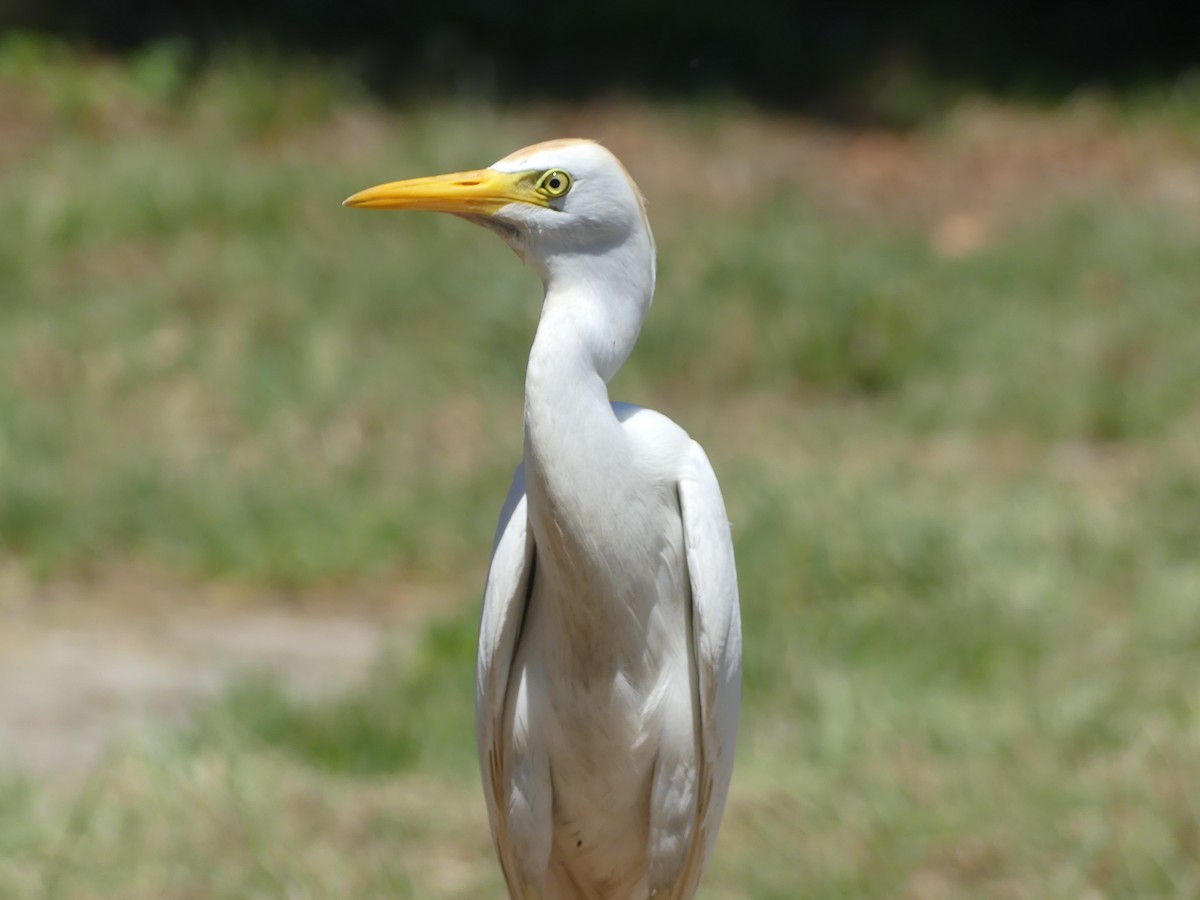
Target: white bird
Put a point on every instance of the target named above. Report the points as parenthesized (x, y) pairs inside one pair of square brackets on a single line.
[(609, 670)]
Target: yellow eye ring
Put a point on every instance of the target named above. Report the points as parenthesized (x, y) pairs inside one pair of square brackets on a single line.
[(554, 183)]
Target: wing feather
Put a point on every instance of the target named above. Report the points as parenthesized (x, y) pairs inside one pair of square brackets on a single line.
[(504, 601), (717, 638)]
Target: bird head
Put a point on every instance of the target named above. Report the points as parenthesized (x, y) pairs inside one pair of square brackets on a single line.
[(562, 197)]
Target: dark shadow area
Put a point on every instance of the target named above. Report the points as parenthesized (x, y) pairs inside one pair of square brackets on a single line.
[(826, 58)]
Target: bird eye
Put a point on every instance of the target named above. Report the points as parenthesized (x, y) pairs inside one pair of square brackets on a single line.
[(554, 183)]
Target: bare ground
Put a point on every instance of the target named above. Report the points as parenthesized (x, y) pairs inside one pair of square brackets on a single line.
[(85, 663)]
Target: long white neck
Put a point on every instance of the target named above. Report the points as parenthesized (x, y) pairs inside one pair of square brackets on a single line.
[(579, 471), (599, 295)]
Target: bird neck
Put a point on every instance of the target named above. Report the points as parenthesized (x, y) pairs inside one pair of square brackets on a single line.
[(597, 298), (579, 467)]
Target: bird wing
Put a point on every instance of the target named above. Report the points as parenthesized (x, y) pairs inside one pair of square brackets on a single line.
[(504, 602), (717, 639)]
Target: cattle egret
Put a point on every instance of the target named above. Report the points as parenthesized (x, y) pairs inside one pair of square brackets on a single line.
[(609, 670)]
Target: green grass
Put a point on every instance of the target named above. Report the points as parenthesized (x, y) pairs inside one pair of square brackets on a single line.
[(965, 493)]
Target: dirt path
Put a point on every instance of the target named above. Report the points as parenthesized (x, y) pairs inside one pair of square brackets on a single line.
[(82, 665)]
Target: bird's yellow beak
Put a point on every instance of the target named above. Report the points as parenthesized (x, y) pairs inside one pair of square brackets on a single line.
[(481, 192)]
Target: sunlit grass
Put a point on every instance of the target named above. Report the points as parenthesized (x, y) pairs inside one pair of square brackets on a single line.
[(965, 494)]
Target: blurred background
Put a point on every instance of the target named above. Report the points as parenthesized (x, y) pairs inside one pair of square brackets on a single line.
[(929, 293)]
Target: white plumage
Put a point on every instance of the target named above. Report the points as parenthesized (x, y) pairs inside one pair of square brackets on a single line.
[(609, 671)]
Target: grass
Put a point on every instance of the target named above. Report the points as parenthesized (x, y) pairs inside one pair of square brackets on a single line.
[(964, 486)]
